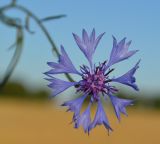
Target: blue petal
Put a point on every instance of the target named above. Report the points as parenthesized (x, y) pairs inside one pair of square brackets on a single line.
[(120, 105), (120, 51), (64, 66), (100, 118), (88, 44), (84, 120), (128, 78), (58, 85), (75, 106)]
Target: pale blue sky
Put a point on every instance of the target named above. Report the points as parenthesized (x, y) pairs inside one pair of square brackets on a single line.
[(138, 20)]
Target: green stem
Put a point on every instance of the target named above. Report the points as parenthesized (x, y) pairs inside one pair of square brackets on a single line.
[(38, 21), (15, 58)]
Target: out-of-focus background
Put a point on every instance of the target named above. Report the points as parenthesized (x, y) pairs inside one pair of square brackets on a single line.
[(26, 113)]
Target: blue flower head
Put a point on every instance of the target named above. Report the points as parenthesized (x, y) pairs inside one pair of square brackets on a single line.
[(95, 81)]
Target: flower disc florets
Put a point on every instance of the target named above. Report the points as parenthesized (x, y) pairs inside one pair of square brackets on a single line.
[(94, 81)]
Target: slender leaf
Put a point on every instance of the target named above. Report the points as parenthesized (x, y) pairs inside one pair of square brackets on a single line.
[(52, 18), (27, 25), (14, 22)]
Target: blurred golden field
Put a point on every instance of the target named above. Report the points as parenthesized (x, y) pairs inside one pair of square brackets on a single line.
[(27, 122)]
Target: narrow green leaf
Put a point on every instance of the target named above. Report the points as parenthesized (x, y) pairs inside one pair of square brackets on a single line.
[(27, 24), (52, 18), (12, 46), (14, 22)]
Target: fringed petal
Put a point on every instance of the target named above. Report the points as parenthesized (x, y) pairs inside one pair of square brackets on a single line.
[(128, 78), (120, 51), (120, 105)]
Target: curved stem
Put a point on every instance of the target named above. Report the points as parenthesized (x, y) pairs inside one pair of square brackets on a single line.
[(41, 26), (15, 58), (23, 9)]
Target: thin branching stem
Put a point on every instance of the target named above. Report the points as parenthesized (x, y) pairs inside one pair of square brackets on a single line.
[(40, 24)]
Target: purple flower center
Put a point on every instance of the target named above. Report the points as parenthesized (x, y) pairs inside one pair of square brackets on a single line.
[(94, 81)]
